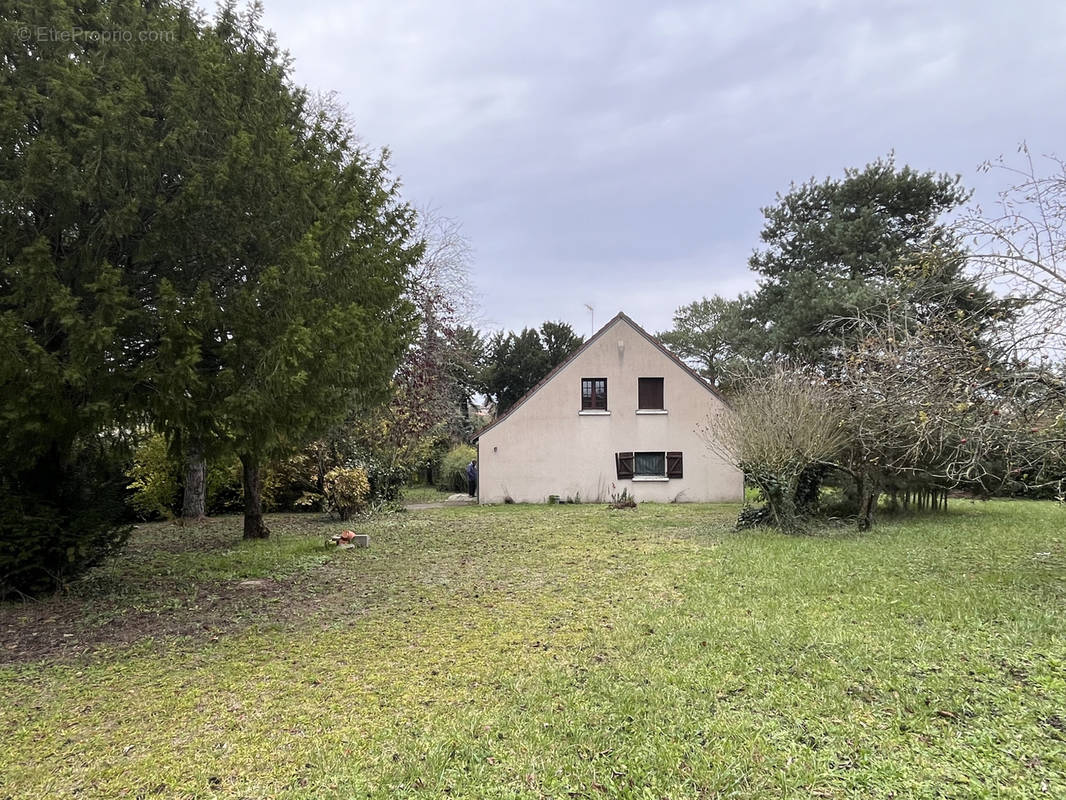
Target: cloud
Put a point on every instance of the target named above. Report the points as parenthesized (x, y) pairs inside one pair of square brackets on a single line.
[(619, 152)]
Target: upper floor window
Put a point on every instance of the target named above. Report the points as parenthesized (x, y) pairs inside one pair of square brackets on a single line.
[(593, 394), (650, 394)]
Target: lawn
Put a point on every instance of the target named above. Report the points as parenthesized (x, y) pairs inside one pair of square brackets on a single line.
[(426, 494), (555, 651)]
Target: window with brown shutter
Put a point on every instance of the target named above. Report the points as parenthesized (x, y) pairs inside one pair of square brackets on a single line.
[(593, 394), (650, 394), (653, 464), (674, 466)]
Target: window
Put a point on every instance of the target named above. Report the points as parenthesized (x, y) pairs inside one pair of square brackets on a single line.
[(593, 394), (649, 465), (650, 394)]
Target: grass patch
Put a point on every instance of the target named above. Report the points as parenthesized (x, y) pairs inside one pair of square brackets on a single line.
[(425, 494), (563, 651)]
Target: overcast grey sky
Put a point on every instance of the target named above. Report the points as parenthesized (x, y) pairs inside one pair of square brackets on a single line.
[(617, 153)]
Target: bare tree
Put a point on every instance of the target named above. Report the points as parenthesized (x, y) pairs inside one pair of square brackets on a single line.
[(440, 284), (927, 403), (425, 399), (780, 425), (1020, 247), (918, 405)]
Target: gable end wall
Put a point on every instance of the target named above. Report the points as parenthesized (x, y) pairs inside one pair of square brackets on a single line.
[(545, 447)]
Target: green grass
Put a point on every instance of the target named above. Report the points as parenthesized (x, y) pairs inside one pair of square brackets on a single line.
[(425, 494), (555, 651)]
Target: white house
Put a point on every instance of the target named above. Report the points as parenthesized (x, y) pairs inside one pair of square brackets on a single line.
[(622, 412)]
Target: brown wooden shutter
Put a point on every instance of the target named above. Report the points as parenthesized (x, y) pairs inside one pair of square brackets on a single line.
[(674, 467), (624, 463), (650, 393)]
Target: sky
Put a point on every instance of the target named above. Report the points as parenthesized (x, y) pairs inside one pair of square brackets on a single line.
[(617, 153)]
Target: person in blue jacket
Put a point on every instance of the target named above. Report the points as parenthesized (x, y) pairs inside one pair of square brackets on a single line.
[(471, 477)]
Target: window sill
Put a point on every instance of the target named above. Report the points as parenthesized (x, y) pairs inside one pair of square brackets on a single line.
[(650, 478), (593, 413), (652, 411)]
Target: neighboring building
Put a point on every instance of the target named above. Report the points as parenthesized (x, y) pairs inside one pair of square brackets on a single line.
[(622, 412)]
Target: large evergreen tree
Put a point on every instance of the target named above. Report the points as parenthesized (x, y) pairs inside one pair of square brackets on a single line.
[(289, 311), (835, 248), (79, 193), (183, 241)]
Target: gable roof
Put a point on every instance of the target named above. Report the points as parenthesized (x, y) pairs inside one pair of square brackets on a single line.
[(559, 367)]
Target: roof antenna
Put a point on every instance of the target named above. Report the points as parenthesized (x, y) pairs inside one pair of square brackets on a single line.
[(592, 319)]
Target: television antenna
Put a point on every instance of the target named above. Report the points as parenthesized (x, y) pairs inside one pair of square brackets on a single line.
[(592, 319)]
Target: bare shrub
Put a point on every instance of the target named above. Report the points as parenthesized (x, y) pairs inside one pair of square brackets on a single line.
[(779, 425)]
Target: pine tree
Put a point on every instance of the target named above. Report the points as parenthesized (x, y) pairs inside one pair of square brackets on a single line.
[(836, 248)]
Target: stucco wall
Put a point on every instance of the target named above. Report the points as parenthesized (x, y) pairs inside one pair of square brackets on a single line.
[(546, 447)]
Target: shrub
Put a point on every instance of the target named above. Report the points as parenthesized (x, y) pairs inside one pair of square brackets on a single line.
[(156, 479), (779, 429), (225, 490), (60, 517), (347, 491), (623, 500), (753, 517), (453, 468), (386, 480)]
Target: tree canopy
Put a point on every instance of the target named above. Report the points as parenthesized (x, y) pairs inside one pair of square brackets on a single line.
[(837, 247), (709, 333), (515, 363), (834, 249), (187, 243)]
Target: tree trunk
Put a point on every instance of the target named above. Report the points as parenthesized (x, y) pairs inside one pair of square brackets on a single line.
[(254, 527), (320, 477), (781, 500), (868, 494), (194, 500)]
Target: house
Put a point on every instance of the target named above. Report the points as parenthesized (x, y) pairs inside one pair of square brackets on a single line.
[(622, 413)]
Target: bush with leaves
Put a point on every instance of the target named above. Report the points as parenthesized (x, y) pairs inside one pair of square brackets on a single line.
[(453, 468), (155, 479), (225, 488), (346, 491)]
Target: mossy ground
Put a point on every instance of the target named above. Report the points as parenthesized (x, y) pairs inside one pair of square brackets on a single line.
[(554, 651)]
